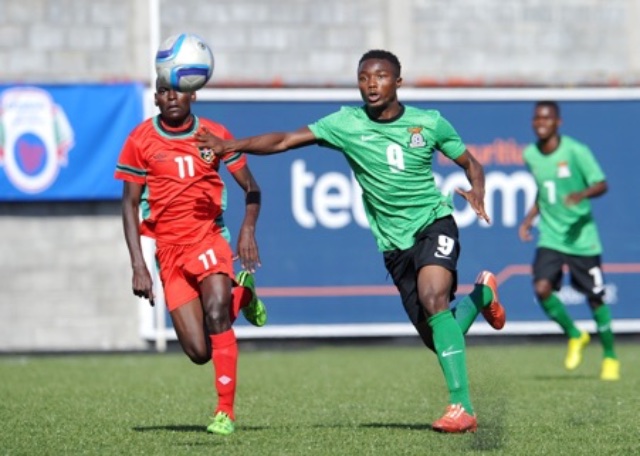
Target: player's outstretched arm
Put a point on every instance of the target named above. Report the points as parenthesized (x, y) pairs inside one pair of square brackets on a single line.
[(268, 143), (141, 282), (475, 173), (247, 248)]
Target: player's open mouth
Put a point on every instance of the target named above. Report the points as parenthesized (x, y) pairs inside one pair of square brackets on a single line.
[(373, 97)]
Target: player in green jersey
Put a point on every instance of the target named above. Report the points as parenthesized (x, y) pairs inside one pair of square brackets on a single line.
[(567, 176), (390, 148)]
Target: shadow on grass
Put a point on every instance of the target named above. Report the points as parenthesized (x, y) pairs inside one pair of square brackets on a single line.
[(488, 437), (409, 427), (188, 428), (491, 432), (171, 427), (570, 377), (492, 407)]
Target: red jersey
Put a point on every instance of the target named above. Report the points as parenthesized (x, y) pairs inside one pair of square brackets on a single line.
[(184, 193)]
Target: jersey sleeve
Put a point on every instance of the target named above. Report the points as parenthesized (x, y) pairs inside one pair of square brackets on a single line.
[(131, 166), (328, 129), (234, 161), (589, 166), (447, 139)]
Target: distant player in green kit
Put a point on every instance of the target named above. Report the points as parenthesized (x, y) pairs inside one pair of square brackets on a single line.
[(567, 176), (390, 148)]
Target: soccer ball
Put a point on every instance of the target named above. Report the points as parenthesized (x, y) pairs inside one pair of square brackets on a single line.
[(184, 62)]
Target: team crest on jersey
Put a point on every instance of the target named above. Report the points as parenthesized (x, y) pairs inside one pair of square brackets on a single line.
[(416, 139), (35, 138), (563, 170), (207, 155)]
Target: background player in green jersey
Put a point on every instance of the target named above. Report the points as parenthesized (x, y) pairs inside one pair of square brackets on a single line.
[(390, 149), (567, 176)]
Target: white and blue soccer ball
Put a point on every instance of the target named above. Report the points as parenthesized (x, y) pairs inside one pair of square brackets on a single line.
[(185, 62)]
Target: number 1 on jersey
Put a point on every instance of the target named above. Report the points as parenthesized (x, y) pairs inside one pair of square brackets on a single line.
[(551, 191)]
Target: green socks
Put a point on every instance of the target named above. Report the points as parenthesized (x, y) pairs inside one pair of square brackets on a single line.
[(450, 349), (602, 316), (555, 309), (470, 306)]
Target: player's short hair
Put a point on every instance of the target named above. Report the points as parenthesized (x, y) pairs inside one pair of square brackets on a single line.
[(549, 104), (382, 55), (160, 83)]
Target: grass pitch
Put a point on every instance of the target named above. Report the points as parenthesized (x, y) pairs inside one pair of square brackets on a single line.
[(321, 401)]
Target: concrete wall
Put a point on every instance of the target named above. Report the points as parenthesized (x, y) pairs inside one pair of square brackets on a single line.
[(64, 271), (65, 281), (304, 42)]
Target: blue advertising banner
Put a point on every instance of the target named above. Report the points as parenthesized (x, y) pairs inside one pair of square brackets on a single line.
[(320, 263), (61, 142)]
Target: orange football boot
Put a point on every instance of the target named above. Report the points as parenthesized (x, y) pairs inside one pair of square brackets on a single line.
[(456, 420), (494, 313)]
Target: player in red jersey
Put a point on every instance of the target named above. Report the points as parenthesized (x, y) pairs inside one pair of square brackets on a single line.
[(181, 196)]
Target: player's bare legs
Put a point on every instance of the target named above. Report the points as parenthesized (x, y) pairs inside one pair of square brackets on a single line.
[(205, 334), (216, 303), (216, 300), (483, 299), (434, 290), (188, 322)]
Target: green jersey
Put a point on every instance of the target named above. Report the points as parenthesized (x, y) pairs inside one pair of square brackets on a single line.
[(570, 168), (392, 160)]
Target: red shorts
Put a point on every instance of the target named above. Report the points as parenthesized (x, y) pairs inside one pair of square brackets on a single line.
[(183, 267)]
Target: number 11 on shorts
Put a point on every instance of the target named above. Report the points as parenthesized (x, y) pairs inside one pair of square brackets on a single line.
[(208, 258)]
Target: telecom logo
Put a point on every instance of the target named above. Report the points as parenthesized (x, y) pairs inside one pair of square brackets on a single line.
[(333, 200), (35, 138)]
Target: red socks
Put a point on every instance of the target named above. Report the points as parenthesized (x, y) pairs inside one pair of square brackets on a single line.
[(240, 297), (224, 354)]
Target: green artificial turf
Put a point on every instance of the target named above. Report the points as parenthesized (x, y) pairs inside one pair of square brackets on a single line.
[(319, 401)]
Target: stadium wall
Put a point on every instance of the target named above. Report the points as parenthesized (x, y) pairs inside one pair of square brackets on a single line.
[(65, 279), (303, 42)]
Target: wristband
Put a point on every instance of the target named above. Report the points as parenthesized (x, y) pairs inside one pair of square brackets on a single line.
[(252, 197)]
